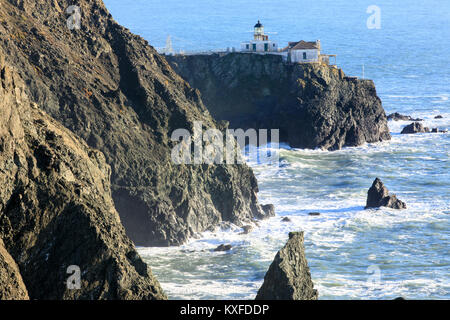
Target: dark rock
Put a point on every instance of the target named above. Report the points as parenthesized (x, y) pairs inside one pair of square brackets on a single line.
[(247, 229), (223, 247), (269, 210), (313, 105), (437, 130), (288, 277), (415, 127), (286, 219), (439, 117), (314, 213), (11, 283), (56, 210), (378, 196), (116, 92), (397, 116)]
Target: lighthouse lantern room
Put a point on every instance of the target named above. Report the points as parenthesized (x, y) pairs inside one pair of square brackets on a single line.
[(260, 42)]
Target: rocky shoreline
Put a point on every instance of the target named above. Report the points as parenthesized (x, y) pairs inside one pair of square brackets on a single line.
[(85, 150)]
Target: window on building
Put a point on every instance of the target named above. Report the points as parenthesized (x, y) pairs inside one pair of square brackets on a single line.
[(266, 47), (304, 55), (254, 47), (247, 46)]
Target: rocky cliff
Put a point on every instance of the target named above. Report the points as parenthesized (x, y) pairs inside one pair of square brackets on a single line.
[(313, 105), (113, 90), (11, 283), (56, 210), (288, 277)]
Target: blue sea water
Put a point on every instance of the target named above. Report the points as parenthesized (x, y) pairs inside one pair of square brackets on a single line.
[(352, 253)]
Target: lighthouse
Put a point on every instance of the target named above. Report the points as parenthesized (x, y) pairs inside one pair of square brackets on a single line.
[(259, 32), (260, 42)]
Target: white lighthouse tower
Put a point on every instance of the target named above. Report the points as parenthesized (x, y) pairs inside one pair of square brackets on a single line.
[(260, 42), (259, 32)]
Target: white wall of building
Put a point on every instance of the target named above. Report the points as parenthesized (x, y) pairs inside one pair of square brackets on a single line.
[(304, 55), (259, 45)]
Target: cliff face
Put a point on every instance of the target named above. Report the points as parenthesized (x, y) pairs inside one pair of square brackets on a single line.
[(114, 91), (288, 277), (314, 106), (56, 210), (11, 283)]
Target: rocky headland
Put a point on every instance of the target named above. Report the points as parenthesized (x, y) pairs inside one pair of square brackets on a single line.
[(313, 105)]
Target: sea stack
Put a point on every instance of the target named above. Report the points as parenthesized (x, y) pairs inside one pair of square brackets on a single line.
[(378, 196), (288, 277)]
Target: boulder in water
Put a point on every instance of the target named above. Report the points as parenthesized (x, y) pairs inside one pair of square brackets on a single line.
[(378, 196), (223, 247), (269, 210), (247, 229), (415, 127)]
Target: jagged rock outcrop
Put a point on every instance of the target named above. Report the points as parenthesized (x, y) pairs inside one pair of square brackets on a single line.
[(378, 196), (415, 127), (397, 116), (313, 105), (56, 210), (11, 283), (288, 277), (116, 92)]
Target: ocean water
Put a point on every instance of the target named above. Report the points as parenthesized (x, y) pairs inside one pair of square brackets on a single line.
[(352, 253)]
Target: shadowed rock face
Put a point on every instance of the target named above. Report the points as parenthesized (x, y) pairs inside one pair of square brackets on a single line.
[(288, 277), (11, 283), (378, 196), (114, 91), (314, 106), (56, 210)]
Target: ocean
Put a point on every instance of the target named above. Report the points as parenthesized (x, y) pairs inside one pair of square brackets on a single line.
[(352, 253)]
